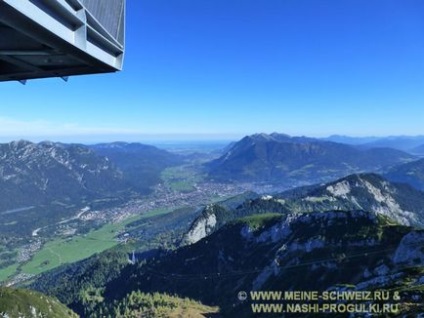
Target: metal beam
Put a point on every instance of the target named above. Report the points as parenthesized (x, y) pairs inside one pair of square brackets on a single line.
[(32, 32), (22, 64), (24, 52)]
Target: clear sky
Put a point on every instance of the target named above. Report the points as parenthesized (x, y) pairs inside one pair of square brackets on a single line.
[(226, 68)]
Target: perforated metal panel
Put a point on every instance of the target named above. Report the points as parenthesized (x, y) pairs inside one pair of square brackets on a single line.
[(110, 14)]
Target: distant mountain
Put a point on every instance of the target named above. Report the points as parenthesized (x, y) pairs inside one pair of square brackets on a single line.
[(46, 182), (322, 251), (411, 173), (368, 192), (31, 304), (350, 140), (140, 164), (410, 144), (42, 183), (404, 143), (297, 160), (56, 170), (418, 150)]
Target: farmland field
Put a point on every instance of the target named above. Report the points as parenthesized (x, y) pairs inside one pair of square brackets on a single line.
[(60, 250)]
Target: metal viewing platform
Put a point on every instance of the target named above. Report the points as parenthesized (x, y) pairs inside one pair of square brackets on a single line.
[(60, 38)]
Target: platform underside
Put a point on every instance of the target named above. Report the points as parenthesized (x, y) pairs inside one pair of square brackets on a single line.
[(58, 38)]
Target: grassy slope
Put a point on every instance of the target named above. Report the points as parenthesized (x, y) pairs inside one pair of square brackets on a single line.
[(138, 304), (259, 221), (60, 251), (25, 303)]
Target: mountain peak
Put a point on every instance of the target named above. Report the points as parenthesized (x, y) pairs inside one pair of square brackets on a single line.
[(48, 143), (411, 173), (20, 143), (280, 135), (297, 160), (260, 137)]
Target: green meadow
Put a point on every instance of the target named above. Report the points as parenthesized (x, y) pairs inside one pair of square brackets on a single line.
[(68, 250)]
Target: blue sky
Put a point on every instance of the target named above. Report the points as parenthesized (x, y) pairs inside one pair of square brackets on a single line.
[(215, 69)]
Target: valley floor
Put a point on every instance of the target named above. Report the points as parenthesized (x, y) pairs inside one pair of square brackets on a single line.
[(64, 242)]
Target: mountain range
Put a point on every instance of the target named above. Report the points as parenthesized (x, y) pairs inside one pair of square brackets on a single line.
[(39, 173), (353, 234), (140, 164), (411, 144), (369, 192), (418, 150), (302, 251), (46, 182), (359, 232), (411, 173), (292, 161)]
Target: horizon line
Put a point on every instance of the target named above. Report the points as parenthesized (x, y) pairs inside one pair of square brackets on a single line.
[(173, 138)]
